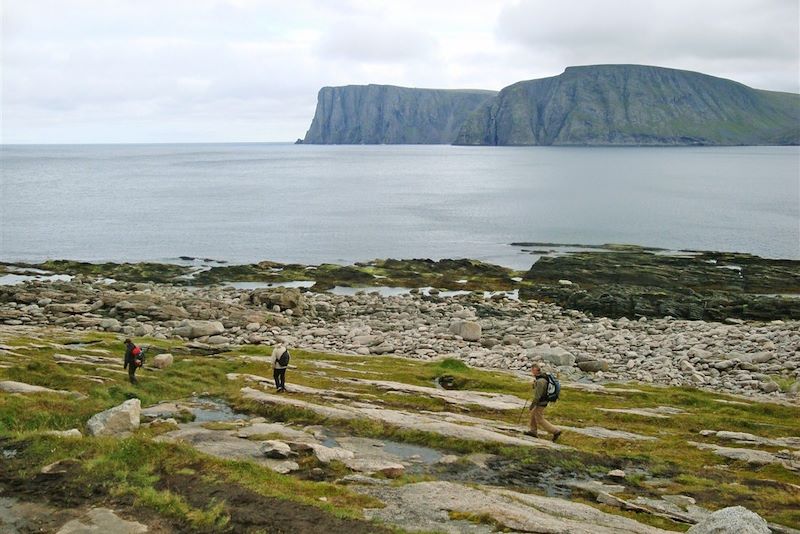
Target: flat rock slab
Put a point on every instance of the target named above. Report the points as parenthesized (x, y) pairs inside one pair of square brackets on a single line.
[(86, 358), (328, 454), (223, 445), (491, 401), (294, 388), (660, 412), (102, 521), (590, 387), (23, 517), (605, 433), (375, 465), (744, 438), (591, 431), (750, 456), (695, 513), (426, 506), (10, 386), (413, 421)]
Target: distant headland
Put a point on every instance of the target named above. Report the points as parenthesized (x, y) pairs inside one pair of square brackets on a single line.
[(597, 105)]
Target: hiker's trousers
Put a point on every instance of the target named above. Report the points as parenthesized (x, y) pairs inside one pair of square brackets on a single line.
[(280, 378), (539, 422)]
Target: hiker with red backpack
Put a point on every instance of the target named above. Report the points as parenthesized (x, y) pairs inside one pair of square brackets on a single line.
[(134, 358), (545, 390)]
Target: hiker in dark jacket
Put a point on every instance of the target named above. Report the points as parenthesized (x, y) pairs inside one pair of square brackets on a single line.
[(278, 370), (538, 404), (130, 361)]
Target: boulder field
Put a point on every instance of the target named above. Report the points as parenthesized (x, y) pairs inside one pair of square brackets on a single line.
[(733, 356)]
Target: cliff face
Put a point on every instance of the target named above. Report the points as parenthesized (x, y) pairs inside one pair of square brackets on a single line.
[(385, 114), (633, 105)]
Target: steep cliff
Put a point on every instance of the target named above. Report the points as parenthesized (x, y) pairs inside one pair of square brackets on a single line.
[(633, 105), (385, 114)]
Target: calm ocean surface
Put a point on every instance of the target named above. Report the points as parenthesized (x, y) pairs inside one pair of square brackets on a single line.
[(311, 204)]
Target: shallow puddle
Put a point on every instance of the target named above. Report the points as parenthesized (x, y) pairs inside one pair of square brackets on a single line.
[(262, 285), (13, 279), (552, 482), (404, 451), (387, 291), (214, 410)]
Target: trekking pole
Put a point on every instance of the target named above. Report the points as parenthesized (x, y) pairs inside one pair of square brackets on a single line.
[(519, 419)]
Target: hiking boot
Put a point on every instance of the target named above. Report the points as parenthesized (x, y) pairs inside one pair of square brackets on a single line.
[(531, 433), (557, 435)]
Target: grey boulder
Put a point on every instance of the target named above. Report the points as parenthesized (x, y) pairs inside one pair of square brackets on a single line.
[(117, 420), (554, 355), (733, 519)]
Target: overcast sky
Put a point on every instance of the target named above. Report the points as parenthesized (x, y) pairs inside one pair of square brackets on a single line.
[(89, 71)]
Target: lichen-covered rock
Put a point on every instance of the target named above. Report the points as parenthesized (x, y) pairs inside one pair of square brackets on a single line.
[(118, 420), (276, 449), (729, 520), (10, 386), (468, 330), (193, 329), (162, 361), (286, 298), (592, 366), (111, 325), (387, 468), (69, 308), (102, 520), (555, 355), (71, 433), (328, 454)]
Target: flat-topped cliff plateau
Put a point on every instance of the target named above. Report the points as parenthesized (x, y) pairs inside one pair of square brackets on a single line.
[(386, 114), (598, 105)]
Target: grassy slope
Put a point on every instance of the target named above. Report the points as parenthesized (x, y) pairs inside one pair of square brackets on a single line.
[(107, 466)]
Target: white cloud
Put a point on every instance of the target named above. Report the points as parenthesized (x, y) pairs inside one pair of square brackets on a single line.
[(194, 70), (366, 41), (752, 41)]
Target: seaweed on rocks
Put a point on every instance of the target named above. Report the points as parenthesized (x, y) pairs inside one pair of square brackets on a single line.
[(635, 282)]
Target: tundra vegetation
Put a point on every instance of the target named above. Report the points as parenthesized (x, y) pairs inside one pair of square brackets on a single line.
[(180, 488)]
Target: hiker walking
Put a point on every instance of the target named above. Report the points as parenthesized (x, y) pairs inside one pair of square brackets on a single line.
[(539, 403), (133, 360), (280, 361)]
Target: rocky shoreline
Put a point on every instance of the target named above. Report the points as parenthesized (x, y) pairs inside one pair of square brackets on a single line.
[(629, 281), (731, 356)]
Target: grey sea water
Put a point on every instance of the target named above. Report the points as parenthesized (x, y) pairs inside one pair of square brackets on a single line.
[(311, 204)]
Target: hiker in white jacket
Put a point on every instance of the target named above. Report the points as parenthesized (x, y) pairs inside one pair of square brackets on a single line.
[(278, 370)]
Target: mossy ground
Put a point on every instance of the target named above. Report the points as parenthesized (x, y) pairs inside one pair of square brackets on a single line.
[(136, 467)]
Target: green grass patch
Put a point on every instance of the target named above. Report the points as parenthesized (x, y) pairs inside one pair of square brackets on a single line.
[(714, 481)]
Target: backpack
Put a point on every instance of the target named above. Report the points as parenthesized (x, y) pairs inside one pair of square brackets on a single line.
[(283, 361), (138, 356), (553, 388)]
